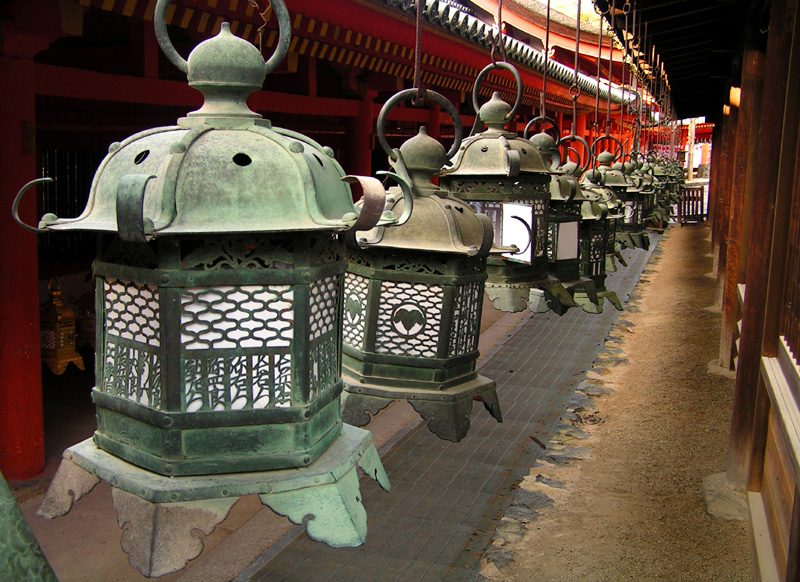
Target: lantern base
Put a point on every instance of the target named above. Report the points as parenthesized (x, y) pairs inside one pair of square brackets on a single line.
[(158, 514), (541, 296), (633, 240), (59, 365), (233, 441), (447, 411), (563, 295), (589, 306)]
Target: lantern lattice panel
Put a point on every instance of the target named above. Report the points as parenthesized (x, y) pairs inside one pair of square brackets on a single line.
[(494, 210), (133, 373), (250, 382), (132, 367), (324, 308), (248, 316), (48, 339), (540, 214), (255, 324), (594, 241), (132, 311), (466, 315), (324, 301), (409, 319), (355, 305)]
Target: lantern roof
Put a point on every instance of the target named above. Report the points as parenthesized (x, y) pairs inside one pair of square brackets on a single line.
[(440, 222), (496, 152), (222, 169)]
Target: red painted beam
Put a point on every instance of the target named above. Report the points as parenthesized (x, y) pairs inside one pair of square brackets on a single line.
[(81, 84)]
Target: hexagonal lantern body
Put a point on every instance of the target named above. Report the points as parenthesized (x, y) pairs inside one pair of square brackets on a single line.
[(630, 231), (413, 298), (218, 302), (219, 320), (503, 176)]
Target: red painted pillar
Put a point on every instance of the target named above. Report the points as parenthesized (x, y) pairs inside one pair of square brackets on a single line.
[(580, 131), (359, 152), (434, 124), (21, 423)]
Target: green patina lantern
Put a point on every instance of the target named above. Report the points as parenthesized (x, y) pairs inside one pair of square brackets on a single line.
[(218, 299), (600, 213), (630, 232), (638, 175), (413, 297), (503, 176), (668, 177)]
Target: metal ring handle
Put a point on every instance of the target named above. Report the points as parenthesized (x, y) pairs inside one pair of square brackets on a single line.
[(620, 149), (18, 199), (589, 152), (501, 65), (541, 119), (432, 96), (284, 36)]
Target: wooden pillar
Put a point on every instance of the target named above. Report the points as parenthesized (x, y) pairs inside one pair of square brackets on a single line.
[(714, 176), (580, 130), (777, 144), (359, 151), (690, 151), (740, 198), (723, 201), (21, 422)]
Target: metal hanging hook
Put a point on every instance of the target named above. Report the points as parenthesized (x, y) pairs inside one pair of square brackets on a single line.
[(18, 199), (284, 36)]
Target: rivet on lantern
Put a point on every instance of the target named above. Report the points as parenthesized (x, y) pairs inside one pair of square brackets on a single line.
[(413, 296), (219, 324)]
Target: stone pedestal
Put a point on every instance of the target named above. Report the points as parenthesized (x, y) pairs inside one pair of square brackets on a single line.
[(157, 514)]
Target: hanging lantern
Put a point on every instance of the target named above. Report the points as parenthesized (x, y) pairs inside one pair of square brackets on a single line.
[(630, 233), (219, 315), (501, 175), (414, 294), (565, 248), (57, 332)]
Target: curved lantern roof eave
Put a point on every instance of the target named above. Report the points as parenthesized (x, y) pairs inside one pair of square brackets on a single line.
[(459, 22)]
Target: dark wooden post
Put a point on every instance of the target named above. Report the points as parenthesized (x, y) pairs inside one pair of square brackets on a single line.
[(741, 191), (774, 146)]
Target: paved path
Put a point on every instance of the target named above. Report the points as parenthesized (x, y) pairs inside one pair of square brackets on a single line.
[(447, 498)]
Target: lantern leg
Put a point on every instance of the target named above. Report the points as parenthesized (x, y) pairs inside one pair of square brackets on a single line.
[(160, 538), (447, 410), (641, 240), (625, 239), (332, 513), (612, 298), (491, 403), (449, 418), (558, 298), (70, 483), (509, 298), (356, 406)]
